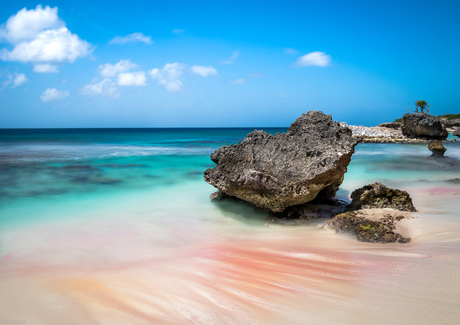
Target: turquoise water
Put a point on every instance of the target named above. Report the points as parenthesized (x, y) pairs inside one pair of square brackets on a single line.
[(118, 222)]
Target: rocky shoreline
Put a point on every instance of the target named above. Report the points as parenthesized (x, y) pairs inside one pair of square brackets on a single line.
[(379, 134), (295, 175)]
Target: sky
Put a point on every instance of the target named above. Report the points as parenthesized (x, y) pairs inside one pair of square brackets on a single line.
[(224, 63)]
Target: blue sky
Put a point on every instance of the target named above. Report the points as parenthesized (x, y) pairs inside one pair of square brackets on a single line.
[(224, 63)]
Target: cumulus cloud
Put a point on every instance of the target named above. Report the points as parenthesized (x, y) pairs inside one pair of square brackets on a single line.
[(238, 81), (46, 68), (15, 80), (111, 70), (105, 87), (204, 71), (317, 58), (178, 31), (132, 79), (39, 35), (230, 60), (169, 77), (53, 94), (132, 38)]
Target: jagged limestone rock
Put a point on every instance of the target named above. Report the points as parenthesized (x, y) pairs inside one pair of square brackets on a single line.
[(281, 170)]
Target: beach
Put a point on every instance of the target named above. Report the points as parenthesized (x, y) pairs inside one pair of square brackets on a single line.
[(116, 226)]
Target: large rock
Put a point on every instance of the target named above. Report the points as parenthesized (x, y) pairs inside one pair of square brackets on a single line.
[(377, 196), (423, 125), (277, 171), (437, 148)]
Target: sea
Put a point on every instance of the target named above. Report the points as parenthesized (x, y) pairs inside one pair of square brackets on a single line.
[(115, 226)]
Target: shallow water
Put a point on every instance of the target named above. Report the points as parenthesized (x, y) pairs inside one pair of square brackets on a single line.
[(115, 226)]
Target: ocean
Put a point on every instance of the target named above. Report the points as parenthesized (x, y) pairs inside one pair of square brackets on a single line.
[(115, 226)]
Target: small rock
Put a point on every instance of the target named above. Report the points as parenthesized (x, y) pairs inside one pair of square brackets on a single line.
[(454, 180), (217, 196), (437, 148), (366, 229), (377, 196)]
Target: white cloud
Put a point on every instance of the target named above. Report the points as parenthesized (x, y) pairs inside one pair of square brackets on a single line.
[(178, 31), (39, 35), (53, 94), (105, 87), (15, 80), (27, 24), (317, 58), (132, 38), (289, 50), (204, 71), (46, 68), (169, 77), (108, 70), (19, 79), (238, 81), (230, 60), (132, 79)]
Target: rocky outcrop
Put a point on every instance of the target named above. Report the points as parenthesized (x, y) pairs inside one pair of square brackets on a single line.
[(373, 226), (456, 133), (377, 196), (277, 171), (391, 125), (455, 122), (437, 148), (423, 125)]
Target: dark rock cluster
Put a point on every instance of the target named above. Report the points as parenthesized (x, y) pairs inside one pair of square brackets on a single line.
[(359, 219), (274, 172)]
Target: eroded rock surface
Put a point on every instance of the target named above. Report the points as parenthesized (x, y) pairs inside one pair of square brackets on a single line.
[(437, 148), (377, 195), (292, 168), (423, 125), (373, 226)]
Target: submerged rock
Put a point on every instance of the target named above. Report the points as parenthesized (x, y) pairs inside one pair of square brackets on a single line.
[(369, 226), (454, 180), (277, 171), (304, 213), (437, 148), (378, 196), (423, 125), (218, 196)]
